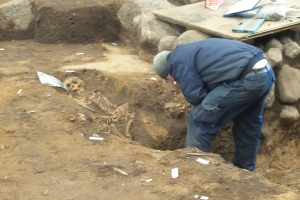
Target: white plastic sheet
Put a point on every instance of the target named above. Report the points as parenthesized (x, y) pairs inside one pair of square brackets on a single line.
[(50, 80)]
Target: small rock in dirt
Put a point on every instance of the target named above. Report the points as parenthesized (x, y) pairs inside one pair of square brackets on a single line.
[(89, 118), (46, 192), (72, 119), (289, 114)]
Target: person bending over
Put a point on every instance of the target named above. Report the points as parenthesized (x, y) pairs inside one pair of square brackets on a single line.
[(224, 80)]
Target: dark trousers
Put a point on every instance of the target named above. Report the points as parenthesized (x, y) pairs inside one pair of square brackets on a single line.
[(241, 101)]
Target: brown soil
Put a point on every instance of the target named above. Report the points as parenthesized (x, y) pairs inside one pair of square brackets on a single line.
[(46, 152)]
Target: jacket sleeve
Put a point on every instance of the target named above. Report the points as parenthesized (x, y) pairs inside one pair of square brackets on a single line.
[(189, 81)]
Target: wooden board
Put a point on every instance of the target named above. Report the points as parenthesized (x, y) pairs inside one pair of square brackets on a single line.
[(196, 16)]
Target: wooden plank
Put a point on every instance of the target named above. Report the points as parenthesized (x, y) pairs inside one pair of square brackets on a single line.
[(196, 16)]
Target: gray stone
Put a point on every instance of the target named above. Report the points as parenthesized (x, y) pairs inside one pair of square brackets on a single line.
[(285, 39), (150, 31), (129, 16), (275, 56), (293, 35), (291, 50), (289, 114), (16, 20), (265, 131), (166, 43), (270, 98), (17, 12), (273, 43), (190, 36), (288, 84)]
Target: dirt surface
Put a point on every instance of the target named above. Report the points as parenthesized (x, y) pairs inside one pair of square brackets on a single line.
[(44, 133)]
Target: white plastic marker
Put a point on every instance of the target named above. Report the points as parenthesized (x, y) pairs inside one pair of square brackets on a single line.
[(204, 197), (32, 111), (200, 160), (154, 79), (146, 180), (78, 54), (1, 49), (174, 172), (96, 138), (19, 92)]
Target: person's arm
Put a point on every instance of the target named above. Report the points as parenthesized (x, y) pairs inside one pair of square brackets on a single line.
[(189, 81)]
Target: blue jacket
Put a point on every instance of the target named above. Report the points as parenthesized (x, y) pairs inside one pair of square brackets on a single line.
[(201, 66)]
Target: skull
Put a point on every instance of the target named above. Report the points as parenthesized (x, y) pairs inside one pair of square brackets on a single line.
[(74, 84)]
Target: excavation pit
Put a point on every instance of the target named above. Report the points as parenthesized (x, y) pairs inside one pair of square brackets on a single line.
[(143, 109)]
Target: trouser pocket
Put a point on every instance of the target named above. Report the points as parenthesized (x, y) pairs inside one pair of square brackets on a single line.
[(210, 117), (208, 111)]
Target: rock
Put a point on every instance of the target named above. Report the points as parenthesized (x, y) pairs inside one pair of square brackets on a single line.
[(166, 43), (81, 22), (151, 30), (72, 119), (291, 50), (129, 16), (190, 36), (273, 43), (289, 114), (270, 98), (288, 84), (293, 35), (16, 20), (275, 56), (265, 131), (285, 39)]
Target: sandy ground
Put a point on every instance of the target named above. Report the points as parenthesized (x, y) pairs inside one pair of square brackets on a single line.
[(46, 152)]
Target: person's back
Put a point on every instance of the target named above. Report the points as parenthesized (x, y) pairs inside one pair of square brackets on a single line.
[(216, 60)]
